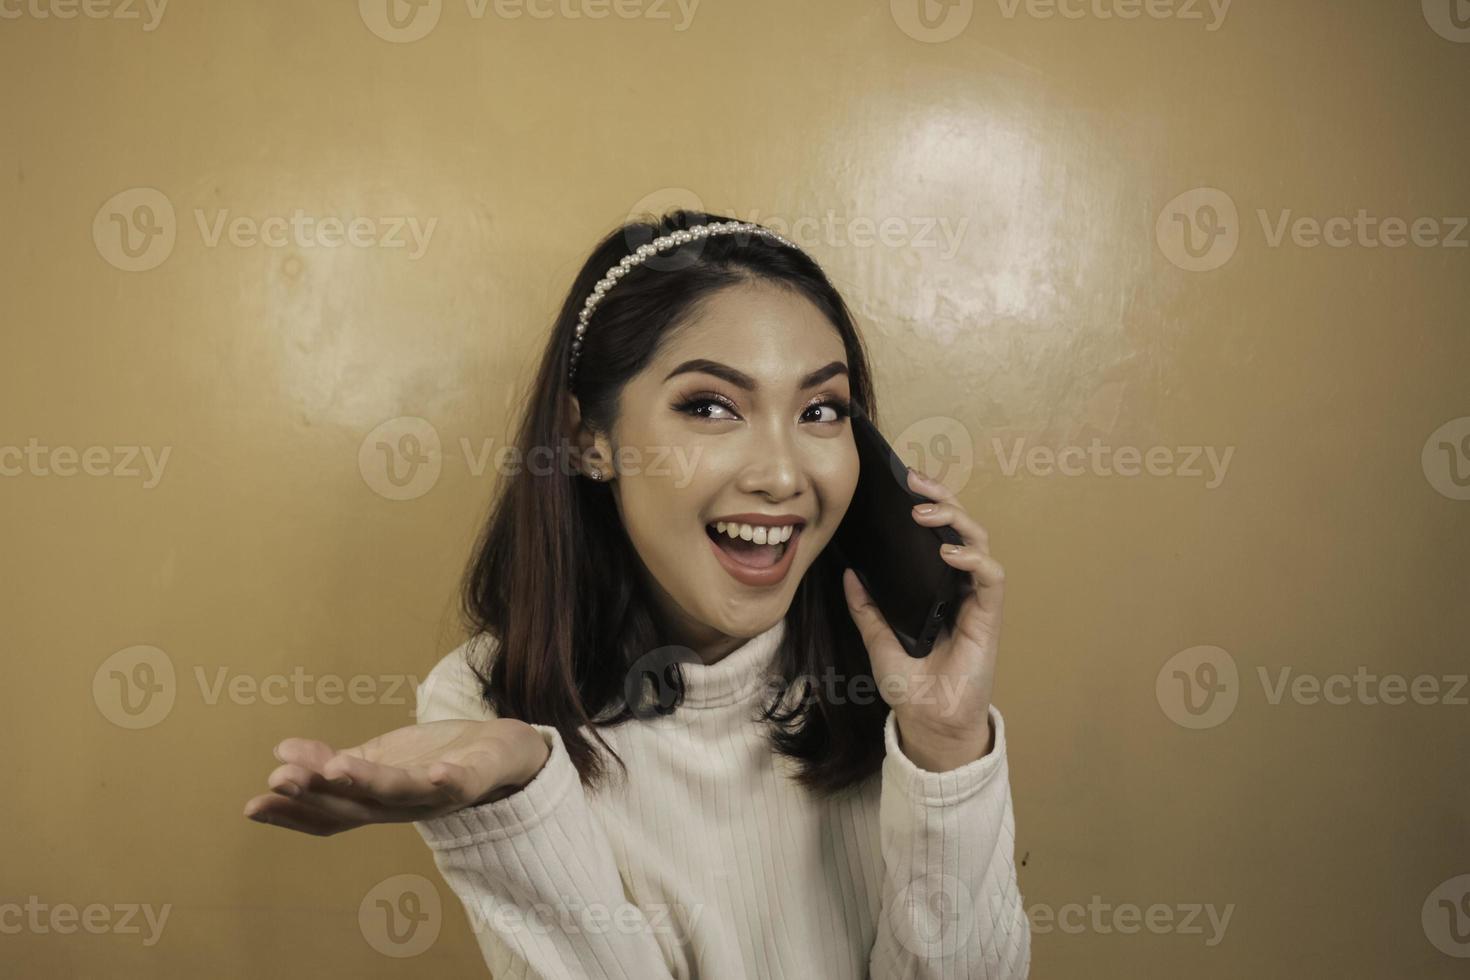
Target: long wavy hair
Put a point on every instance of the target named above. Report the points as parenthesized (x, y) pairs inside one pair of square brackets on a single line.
[(554, 578)]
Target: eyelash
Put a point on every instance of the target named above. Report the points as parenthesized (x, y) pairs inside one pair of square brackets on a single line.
[(841, 405)]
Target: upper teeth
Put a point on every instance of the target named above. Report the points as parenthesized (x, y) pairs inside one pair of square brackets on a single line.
[(756, 533)]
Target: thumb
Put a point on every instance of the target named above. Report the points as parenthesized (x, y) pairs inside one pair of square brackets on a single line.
[(468, 777), (886, 653)]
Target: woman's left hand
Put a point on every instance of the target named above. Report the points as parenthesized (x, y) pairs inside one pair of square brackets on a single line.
[(941, 702)]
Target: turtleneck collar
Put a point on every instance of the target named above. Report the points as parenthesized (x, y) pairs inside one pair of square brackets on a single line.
[(737, 676)]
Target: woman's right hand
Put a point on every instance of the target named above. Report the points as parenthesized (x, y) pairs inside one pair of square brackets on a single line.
[(411, 773)]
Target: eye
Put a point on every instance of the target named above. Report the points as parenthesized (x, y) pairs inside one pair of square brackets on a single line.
[(840, 407), (695, 403)]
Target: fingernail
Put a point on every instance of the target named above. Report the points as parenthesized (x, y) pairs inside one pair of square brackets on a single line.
[(342, 781), (288, 789), (924, 509)]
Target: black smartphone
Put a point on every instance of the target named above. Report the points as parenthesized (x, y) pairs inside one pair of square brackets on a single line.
[(895, 557)]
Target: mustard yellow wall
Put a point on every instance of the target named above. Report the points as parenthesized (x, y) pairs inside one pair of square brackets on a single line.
[(1057, 231)]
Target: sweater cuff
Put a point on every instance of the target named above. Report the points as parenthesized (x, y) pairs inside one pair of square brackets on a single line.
[(516, 813), (943, 788)]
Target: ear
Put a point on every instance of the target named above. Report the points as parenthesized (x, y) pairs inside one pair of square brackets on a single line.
[(590, 450)]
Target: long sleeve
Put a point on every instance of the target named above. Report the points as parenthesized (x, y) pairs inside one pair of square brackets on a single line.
[(951, 906), (535, 871)]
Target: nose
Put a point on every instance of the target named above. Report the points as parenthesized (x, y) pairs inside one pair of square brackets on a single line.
[(776, 468)]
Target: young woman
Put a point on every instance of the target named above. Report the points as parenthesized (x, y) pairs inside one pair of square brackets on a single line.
[(796, 796)]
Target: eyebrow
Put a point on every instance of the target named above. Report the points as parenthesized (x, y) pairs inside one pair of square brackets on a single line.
[(742, 380)]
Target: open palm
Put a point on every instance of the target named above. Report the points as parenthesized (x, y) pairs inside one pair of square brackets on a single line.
[(411, 773)]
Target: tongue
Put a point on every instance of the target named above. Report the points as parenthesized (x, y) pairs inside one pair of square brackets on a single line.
[(750, 553)]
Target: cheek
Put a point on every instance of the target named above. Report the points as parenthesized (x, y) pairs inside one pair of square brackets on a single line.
[(840, 477)]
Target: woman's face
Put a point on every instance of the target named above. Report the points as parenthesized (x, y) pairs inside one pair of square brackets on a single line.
[(741, 416)]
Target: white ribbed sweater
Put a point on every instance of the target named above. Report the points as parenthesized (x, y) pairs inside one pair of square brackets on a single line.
[(709, 862)]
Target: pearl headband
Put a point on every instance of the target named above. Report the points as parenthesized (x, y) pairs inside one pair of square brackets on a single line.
[(645, 252)]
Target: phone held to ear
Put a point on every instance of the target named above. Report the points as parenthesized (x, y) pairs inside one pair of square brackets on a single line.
[(896, 558)]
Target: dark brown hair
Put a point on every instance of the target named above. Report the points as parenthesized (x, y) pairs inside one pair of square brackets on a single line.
[(555, 580)]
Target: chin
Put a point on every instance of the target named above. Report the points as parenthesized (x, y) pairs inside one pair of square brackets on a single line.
[(752, 617)]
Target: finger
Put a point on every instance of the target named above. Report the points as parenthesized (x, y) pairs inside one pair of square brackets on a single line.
[(985, 572), (279, 811), (308, 752), (929, 487), (887, 655), (292, 780), (461, 784), (356, 778), (355, 812), (312, 789), (955, 516)]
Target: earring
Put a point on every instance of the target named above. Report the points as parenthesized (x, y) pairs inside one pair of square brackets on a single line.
[(597, 474)]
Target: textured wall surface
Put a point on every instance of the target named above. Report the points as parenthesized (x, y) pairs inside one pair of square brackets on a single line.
[(1173, 292)]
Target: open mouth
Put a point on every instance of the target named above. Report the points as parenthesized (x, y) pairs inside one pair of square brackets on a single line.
[(755, 552)]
